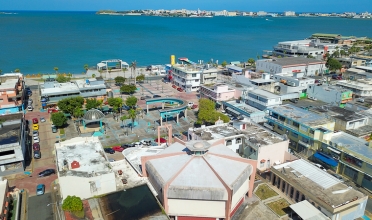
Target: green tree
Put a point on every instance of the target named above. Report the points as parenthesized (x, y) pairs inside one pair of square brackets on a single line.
[(93, 75), (68, 105), (56, 69), (62, 79), (342, 53), (86, 67), (58, 119), (72, 204), (128, 89), (333, 64), (206, 110), (131, 101), (224, 63), (17, 70), (123, 118), (78, 113), (132, 114), (336, 53), (251, 61), (140, 78), (116, 103), (119, 80), (92, 103)]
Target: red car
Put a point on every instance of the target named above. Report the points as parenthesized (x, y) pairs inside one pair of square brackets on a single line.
[(36, 146), (52, 110), (162, 140), (180, 89), (35, 121), (118, 148), (194, 107), (174, 86)]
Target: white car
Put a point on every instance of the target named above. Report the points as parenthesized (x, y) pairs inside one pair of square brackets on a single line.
[(190, 104), (42, 119), (360, 100), (36, 139), (30, 108), (312, 98), (35, 135)]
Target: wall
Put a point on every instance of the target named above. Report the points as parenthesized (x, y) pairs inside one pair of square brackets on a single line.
[(80, 186), (273, 152), (239, 194), (196, 208)]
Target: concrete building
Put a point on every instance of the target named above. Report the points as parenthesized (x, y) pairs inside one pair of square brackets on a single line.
[(200, 180), (255, 80), (346, 120), (234, 69), (13, 144), (355, 74), (349, 62), (333, 95), (309, 66), (261, 99), (90, 88), (5, 199), (218, 92), (261, 13), (361, 87), (306, 130), (307, 211), (290, 83), (83, 168), (242, 109), (190, 77), (12, 93), (289, 13), (300, 180), (353, 156)]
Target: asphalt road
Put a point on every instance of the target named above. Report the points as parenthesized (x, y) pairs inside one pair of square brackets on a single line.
[(38, 209)]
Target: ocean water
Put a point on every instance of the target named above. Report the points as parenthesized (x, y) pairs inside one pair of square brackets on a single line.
[(36, 42)]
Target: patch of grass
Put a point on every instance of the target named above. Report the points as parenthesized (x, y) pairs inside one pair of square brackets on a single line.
[(280, 207), (61, 131), (79, 214), (264, 192), (107, 136)]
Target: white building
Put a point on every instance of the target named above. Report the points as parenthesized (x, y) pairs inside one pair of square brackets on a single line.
[(290, 83), (309, 66), (289, 13), (361, 87), (333, 95), (261, 13), (261, 99), (200, 180), (83, 168), (190, 77)]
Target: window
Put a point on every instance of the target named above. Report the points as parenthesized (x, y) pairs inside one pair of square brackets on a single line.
[(281, 118), (228, 142), (294, 134), (311, 131), (238, 141), (280, 128), (296, 124), (193, 75)]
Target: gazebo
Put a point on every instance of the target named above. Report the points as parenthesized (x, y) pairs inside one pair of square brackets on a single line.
[(93, 115)]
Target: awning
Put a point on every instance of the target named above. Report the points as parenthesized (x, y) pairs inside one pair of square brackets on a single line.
[(326, 159), (232, 111), (307, 211), (336, 151)]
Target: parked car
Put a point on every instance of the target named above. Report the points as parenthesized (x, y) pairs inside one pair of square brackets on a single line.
[(126, 107), (36, 146), (156, 96), (177, 135), (35, 133), (109, 150), (190, 104), (35, 127), (35, 121), (293, 100), (143, 97), (312, 98), (118, 148), (36, 139), (37, 154), (52, 110), (174, 86), (194, 107), (180, 89), (47, 172), (30, 108), (54, 129), (42, 120), (40, 189), (360, 100)]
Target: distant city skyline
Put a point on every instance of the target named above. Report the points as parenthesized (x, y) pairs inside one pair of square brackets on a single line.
[(210, 5)]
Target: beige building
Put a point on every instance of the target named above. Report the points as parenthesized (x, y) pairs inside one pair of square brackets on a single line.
[(200, 180), (301, 180)]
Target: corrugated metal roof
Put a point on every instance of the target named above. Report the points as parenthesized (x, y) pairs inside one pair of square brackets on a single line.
[(307, 211)]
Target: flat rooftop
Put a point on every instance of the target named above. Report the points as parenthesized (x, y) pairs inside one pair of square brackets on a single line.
[(322, 185), (10, 134), (197, 68), (256, 134), (8, 84), (87, 151), (90, 83), (264, 93), (364, 68), (354, 85), (300, 115), (133, 155), (291, 61), (339, 113), (352, 145), (55, 88), (247, 108)]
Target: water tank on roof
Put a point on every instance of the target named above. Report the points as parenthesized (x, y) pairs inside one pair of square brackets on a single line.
[(87, 81)]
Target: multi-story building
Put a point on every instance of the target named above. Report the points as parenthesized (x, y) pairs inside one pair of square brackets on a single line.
[(290, 83), (12, 93), (91, 88), (308, 66), (333, 95), (300, 180), (14, 144), (261, 13), (349, 62), (190, 77), (218, 92), (289, 13), (354, 157), (255, 80), (306, 130), (261, 99), (346, 120), (355, 74), (239, 108), (360, 87)]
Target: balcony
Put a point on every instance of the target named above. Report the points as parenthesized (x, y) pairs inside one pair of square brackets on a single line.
[(304, 144)]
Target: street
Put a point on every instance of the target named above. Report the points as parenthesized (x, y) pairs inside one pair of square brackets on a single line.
[(38, 207)]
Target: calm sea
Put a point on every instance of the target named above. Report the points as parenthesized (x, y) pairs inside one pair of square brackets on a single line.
[(36, 42)]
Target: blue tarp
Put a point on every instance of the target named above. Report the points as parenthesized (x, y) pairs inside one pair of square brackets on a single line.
[(326, 159)]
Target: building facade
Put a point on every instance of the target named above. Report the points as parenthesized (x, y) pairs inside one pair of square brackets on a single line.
[(218, 92), (333, 95), (261, 99), (360, 87), (12, 93), (290, 83)]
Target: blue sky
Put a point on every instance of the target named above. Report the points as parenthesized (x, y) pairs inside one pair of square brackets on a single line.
[(243, 5)]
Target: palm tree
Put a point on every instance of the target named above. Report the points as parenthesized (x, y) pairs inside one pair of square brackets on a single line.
[(132, 114), (134, 66), (56, 69), (86, 67), (94, 75), (1, 72), (17, 70)]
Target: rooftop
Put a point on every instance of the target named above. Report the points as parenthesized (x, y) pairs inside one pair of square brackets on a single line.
[(337, 112), (55, 88), (290, 61), (10, 134), (300, 115), (364, 68), (307, 211), (8, 84), (90, 83), (354, 146), (133, 155), (264, 93), (87, 151), (335, 88), (245, 107), (323, 186), (354, 84), (196, 68), (255, 133)]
